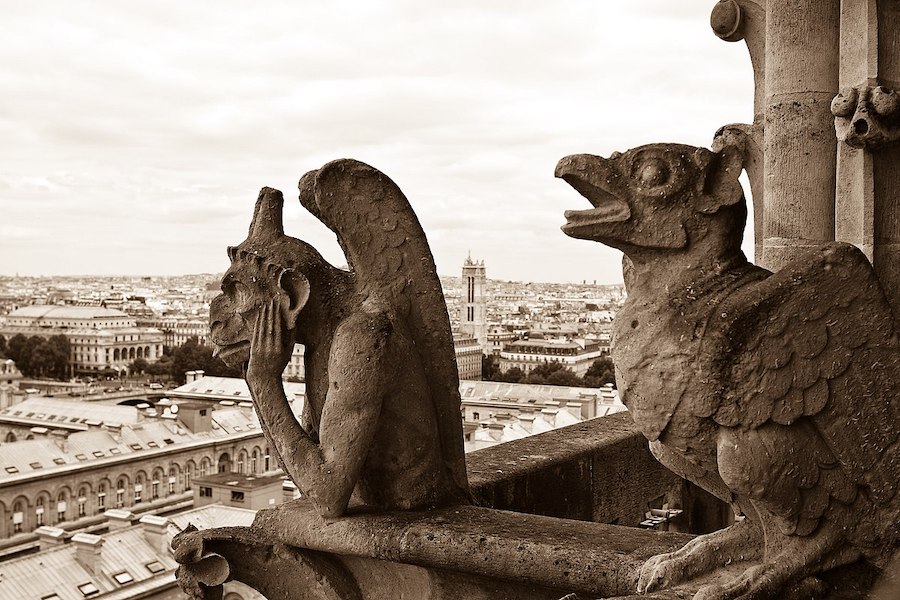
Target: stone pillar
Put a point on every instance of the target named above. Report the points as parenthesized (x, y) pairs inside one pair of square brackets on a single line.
[(801, 79), (866, 119)]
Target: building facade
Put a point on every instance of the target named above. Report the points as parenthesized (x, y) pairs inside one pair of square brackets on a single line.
[(101, 339), (62, 477), (177, 330), (132, 560), (577, 354), (468, 356)]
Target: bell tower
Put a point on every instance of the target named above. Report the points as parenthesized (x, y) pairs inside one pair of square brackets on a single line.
[(473, 308)]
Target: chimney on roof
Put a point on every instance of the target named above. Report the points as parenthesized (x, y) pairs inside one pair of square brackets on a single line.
[(191, 376), (88, 551), (550, 415), (119, 518), (156, 531), (495, 430), (61, 437), (196, 416), (527, 422), (50, 537)]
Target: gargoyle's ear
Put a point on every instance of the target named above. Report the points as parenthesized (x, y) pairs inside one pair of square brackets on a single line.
[(720, 181), (296, 287)]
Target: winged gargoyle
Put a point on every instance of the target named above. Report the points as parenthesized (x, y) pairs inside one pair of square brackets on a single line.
[(381, 417), (777, 392)]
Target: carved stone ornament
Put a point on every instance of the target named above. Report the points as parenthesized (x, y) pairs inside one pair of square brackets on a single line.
[(777, 392), (381, 419), (867, 116)]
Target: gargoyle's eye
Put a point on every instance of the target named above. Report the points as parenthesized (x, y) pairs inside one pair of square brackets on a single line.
[(652, 173)]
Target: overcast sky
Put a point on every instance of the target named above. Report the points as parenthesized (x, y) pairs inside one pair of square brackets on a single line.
[(135, 136)]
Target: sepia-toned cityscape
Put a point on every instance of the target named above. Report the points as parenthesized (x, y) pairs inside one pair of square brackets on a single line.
[(619, 318), (119, 426)]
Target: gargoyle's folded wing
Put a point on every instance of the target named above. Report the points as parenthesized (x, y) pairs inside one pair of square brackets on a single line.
[(815, 341), (386, 247)]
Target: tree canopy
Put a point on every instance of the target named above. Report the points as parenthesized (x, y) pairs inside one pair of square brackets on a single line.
[(191, 356), (598, 374), (36, 356)]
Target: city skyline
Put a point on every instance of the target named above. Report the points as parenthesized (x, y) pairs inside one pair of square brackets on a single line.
[(137, 138)]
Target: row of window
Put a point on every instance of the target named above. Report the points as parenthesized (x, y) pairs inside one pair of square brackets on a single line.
[(125, 494)]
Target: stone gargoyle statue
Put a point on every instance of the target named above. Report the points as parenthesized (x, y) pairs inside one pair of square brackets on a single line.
[(382, 414), (776, 392)]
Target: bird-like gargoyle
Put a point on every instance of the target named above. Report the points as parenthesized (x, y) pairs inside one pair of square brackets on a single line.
[(777, 392), (381, 418)]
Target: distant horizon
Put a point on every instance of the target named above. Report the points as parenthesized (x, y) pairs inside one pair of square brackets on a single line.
[(221, 273)]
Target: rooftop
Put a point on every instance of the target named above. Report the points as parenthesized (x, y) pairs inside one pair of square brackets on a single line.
[(526, 392), (44, 311), (47, 454), (229, 388), (129, 562), (239, 480)]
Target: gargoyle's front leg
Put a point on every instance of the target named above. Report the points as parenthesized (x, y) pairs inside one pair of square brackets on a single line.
[(326, 472), (271, 346)]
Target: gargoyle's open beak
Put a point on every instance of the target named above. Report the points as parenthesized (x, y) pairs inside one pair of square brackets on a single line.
[(595, 179)]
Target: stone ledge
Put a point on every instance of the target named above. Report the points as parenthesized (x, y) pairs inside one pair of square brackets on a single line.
[(568, 555), (600, 470)]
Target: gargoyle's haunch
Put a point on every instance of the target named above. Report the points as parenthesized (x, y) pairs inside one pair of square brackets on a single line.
[(778, 393), (381, 418)]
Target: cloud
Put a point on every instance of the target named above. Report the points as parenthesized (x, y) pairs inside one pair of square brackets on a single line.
[(152, 126)]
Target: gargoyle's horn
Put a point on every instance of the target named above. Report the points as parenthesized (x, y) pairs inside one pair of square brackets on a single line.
[(267, 218)]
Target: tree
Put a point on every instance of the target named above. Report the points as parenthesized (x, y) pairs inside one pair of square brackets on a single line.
[(192, 356), (139, 366), (513, 375), (2, 346), (160, 368), (560, 374), (489, 368), (55, 352), (565, 377), (14, 347), (36, 356), (601, 372)]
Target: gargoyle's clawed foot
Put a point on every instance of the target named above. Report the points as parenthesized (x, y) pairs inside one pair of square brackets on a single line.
[(790, 573), (765, 581), (741, 541)]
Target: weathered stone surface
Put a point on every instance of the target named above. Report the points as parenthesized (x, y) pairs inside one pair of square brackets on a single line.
[(381, 419), (547, 552), (776, 392), (599, 470), (867, 116)]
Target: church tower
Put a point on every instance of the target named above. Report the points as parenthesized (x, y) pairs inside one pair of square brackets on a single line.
[(473, 308)]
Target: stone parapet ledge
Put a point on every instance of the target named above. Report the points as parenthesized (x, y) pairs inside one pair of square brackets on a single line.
[(600, 470), (550, 553)]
